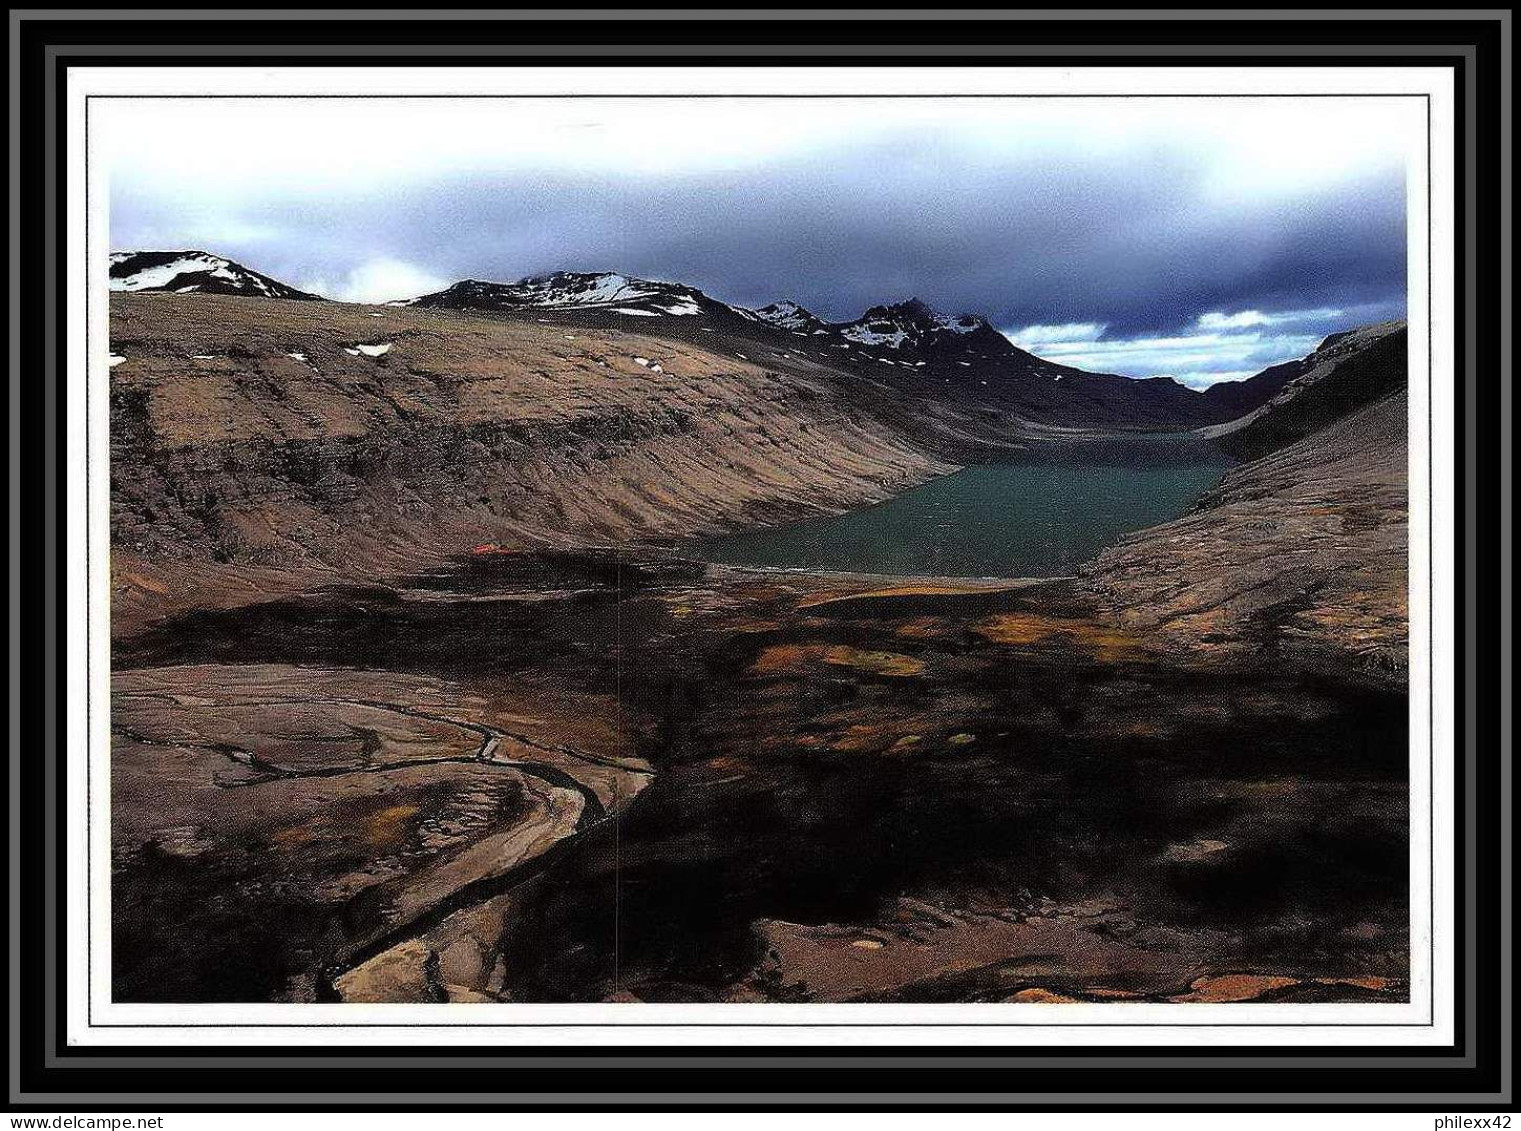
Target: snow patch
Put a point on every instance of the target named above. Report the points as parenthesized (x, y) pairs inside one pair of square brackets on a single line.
[(892, 339), (164, 274), (379, 350), (631, 310), (114, 359)]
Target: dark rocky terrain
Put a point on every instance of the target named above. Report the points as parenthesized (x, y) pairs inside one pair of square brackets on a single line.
[(412, 700)]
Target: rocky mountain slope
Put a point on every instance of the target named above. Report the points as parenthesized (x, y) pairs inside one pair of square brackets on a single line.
[(259, 445), (1303, 549), (193, 272), (908, 345), (1347, 371)]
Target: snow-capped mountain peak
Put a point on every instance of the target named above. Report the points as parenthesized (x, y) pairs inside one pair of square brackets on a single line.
[(911, 325), (193, 272), (788, 315), (574, 290)]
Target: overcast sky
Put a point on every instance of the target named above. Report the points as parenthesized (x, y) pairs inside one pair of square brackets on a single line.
[(1198, 238)]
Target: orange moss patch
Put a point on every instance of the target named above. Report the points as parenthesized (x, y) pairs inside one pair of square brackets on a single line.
[(923, 628), (292, 836), (1042, 995), (1106, 642), (878, 663), (388, 826), (1234, 987), (794, 658), (779, 658), (1364, 982)]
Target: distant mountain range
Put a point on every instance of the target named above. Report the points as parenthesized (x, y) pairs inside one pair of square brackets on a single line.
[(907, 344)]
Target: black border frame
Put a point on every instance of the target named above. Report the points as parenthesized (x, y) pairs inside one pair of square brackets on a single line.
[(72, 1069)]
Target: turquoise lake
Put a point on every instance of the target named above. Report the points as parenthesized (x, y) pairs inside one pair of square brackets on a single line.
[(1034, 516)]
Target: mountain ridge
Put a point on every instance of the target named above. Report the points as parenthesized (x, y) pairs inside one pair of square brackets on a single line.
[(907, 343), (195, 272)]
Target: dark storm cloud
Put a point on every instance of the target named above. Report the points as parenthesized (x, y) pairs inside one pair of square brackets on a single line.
[(1132, 247), (1144, 245)]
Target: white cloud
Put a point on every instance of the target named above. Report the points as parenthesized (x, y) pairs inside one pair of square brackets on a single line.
[(1219, 320), (1197, 360), (1029, 337), (1216, 320), (1224, 345), (379, 280)]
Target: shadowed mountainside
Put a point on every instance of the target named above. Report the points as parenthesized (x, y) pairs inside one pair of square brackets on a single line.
[(1348, 370)]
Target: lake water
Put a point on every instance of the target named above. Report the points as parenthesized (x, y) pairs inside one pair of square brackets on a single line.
[(1037, 516)]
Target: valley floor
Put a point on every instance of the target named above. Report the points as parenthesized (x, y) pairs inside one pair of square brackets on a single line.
[(567, 778)]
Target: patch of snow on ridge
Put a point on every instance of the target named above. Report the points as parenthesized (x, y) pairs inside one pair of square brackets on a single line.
[(961, 324), (867, 337), (786, 314), (114, 359), (582, 290), (375, 350), (686, 306), (631, 310), (165, 273)]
